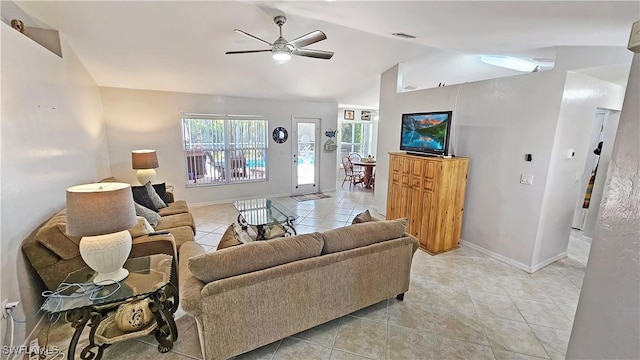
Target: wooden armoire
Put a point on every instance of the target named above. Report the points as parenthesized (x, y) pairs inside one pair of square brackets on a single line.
[(429, 191)]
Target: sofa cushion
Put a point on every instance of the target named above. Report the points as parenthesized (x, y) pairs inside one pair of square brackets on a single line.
[(176, 207), (362, 234), (362, 217), (141, 197), (158, 202), (54, 237), (229, 238), (254, 256), (151, 216), (176, 220)]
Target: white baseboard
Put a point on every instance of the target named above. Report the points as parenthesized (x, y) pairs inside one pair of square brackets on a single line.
[(519, 265), (496, 256), (586, 238), (539, 266)]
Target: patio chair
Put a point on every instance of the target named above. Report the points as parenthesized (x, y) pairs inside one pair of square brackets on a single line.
[(196, 165), (238, 167)]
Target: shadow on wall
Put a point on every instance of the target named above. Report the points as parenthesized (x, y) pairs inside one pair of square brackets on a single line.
[(31, 287)]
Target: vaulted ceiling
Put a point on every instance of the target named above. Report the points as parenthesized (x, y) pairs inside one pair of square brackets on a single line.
[(180, 45)]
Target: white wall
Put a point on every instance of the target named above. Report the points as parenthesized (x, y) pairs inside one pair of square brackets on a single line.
[(606, 325), (496, 122), (52, 138), (138, 119), (582, 96)]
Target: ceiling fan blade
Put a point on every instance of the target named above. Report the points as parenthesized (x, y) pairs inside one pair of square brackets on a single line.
[(308, 39), (253, 37), (246, 51), (318, 54)]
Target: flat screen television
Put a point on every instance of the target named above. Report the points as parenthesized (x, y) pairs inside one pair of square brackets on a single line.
[(426, 133)]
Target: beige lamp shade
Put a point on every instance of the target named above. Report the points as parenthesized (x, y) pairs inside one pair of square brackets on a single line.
[(98, 209), (144, 159)]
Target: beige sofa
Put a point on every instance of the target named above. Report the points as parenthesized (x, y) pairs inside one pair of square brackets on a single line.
[(53, 254), (250, 295)]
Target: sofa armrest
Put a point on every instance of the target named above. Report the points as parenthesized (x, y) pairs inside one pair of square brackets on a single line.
[(190, 286), (150, 245)]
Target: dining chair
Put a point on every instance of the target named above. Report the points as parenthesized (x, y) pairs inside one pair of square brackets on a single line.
[(349, 174), (356, 157)]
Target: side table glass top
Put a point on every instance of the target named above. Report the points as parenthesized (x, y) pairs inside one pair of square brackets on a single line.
[(264, 212), (147, 274)]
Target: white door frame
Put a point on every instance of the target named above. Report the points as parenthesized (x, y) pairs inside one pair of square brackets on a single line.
[(296, 188), (597, 133)]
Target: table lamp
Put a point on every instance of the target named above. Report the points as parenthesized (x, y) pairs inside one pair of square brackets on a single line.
[(101, 214), (145, 161)]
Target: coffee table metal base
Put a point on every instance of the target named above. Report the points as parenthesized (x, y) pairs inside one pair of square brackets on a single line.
[(163, 305), (261, 230)]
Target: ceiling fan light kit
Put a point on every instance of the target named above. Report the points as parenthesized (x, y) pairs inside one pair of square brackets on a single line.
[(282, 49), (281, 55)]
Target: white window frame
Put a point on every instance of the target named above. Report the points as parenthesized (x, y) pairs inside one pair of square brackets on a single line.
[(230, 161), (365, 144)]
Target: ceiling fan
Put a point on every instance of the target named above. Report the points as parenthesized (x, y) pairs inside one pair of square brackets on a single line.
[(283, 49)]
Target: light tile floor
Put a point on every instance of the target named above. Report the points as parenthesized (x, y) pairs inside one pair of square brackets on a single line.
[(460, 304)]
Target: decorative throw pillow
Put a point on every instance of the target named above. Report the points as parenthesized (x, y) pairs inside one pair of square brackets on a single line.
[(155, 198), (161, 190), (142, 228), (362, 217), (229, 238), (151, 216), (141, 197)]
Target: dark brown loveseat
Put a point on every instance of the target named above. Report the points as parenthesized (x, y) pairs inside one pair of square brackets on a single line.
[(53, 254)]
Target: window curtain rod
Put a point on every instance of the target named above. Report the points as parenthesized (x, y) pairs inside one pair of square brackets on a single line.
[(222, 116)]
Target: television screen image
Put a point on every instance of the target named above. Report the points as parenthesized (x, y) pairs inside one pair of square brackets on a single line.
[(426, 132)]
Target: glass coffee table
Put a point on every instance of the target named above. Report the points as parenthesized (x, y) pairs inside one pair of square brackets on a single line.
[(265, 215)]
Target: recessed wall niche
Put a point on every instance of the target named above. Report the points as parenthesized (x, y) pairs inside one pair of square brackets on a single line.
[(34, 29)]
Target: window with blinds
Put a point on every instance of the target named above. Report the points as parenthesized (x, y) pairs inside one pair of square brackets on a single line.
[(224, 149)]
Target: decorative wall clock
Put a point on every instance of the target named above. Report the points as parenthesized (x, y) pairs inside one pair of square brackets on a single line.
[(280, 135)]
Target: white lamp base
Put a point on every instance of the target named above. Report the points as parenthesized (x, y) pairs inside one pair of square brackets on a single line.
[(111, 278), (106, 254), (146, 175)]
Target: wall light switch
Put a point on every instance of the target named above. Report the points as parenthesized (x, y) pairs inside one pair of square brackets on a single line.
[(526, 179)]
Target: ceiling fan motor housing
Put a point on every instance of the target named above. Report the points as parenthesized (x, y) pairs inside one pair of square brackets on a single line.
[(280, 20)]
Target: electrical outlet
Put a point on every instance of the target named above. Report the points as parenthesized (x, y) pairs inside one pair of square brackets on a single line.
[(3, 310)]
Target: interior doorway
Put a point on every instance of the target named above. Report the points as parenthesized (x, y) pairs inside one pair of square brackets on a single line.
[(601, 141), (306, 166)]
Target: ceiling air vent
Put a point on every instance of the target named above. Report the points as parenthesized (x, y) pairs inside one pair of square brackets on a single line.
[(403, 35), (410, 87)]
